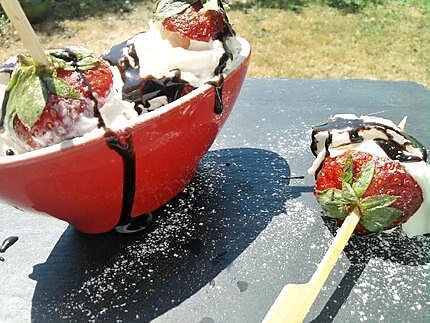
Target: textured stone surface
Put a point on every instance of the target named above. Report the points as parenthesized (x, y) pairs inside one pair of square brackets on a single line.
[(224, 248)]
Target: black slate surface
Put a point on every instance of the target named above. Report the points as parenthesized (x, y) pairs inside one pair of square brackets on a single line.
[(224, 248)]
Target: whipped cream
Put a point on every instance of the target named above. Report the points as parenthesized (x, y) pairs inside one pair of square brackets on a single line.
[(158, 53), (379, 137), (149, 71)]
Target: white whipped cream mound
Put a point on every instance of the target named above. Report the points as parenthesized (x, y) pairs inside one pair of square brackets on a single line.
[(160, 52), (347, 131)]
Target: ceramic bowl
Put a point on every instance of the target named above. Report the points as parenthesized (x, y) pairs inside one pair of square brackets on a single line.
[(94, 188)]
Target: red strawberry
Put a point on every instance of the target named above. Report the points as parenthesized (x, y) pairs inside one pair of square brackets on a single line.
[(197, 23), (383, 191), (60, 117), (99, 78)]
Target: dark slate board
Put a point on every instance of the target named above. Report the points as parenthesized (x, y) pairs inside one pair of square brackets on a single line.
[(224, 248)]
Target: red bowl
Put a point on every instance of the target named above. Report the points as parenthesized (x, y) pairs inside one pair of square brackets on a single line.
[(81, 181)]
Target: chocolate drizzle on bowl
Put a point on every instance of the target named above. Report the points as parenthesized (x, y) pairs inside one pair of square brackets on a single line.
[(355, 129), (122, 144), (219, 107)]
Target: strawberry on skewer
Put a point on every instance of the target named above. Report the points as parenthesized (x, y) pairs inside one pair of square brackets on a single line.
[(385, 194), (370, 176)]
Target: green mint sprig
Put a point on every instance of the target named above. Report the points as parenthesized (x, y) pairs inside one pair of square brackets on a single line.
[(376, 211)]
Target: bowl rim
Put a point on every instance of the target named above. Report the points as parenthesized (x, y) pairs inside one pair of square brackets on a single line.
[(98, 134)]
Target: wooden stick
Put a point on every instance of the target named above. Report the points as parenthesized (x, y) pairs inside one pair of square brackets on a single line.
[(295, 300), (19, 20)]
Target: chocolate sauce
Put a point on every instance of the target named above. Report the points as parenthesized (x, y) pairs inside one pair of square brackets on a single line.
[(73, 59), (392, 149), (219, 107), (395, 151), (7, 68), (122, 144), (116, 53), (3, 109), (141, 90), (7, 243)]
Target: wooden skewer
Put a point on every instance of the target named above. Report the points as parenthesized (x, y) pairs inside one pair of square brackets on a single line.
[(295, 300), (19, 20)]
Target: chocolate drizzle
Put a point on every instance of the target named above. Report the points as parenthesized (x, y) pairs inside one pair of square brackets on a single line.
[(8, 69), (73, 59), (395, 151), (7, 243), (141, 90), (219, 107), (3, 109), (353, 127), (120, 142), (123, 145)]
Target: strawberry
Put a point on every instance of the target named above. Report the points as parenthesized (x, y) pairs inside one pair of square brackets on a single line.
[(99, 78), (384, 193), (69, 95), (197, 23)]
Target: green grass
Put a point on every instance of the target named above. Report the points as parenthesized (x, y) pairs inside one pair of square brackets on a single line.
[(300, 39)]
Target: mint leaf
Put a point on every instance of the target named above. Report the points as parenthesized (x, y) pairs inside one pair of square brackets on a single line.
[(347, 170), (333, 203), (71, 58), (27, 97), (13, 79), (364, 178), (378, 201), (88, 62), (168, 8), (60, 88), (348, 194), (378, 219)]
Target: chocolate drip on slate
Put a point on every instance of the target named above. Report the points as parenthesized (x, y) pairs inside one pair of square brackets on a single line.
[(7, 243), (123, 145), (393, 149)]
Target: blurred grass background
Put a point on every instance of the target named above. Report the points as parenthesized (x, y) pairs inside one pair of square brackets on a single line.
[(372, 39)]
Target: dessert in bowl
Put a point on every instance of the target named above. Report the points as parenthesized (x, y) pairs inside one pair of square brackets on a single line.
[(137, 131)]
